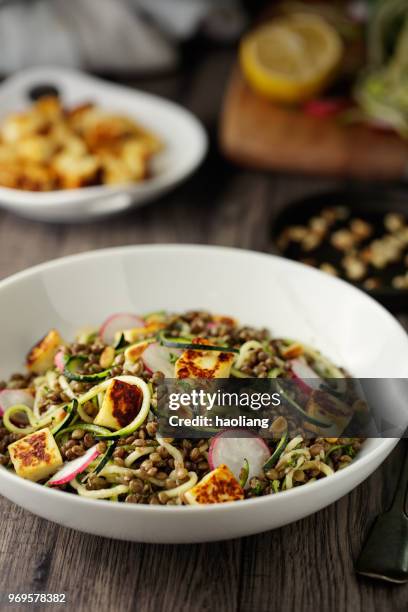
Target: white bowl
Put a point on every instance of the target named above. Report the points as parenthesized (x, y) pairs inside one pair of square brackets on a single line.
[(290, 298), (183, 135)]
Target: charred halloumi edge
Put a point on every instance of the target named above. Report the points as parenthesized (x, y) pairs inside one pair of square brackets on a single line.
[(106, 416), (41, 356), (135, 351), (36, 456), (203, 364), (219, 486)]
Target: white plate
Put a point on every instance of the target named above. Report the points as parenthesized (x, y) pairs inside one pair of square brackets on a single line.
[(289, 298), (183, 135)]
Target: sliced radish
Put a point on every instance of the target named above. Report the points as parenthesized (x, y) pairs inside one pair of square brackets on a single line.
[(326, 107), (117, 323), (59, 361), (12, 397), (225, 448), (304, 375), (157, 358), (72, 468)]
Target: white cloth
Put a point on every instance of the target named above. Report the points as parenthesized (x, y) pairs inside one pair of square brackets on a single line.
[(221, 19), (99, 35), (104, 35)]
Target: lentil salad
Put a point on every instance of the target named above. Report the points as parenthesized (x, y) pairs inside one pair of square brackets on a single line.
[(83, 417)]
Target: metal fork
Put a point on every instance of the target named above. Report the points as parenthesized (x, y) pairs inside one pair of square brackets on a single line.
[(385, 552)]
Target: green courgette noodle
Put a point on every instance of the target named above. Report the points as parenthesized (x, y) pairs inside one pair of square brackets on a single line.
[(172, 450), (183, 488), (134, 462), (34, 423), (83, 415), (244, 352), (87, 427), (114, 472), (275, 372), (64, 384), (303, 462), (136, 454), (116, 490), (40, 394)]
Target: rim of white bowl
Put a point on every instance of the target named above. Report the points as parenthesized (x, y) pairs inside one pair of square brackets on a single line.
[(50, 493)]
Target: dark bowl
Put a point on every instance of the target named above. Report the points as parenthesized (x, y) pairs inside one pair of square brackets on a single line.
[(368, 204)]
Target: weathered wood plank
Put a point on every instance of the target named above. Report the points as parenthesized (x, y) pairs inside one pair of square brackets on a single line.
[(307, 566)]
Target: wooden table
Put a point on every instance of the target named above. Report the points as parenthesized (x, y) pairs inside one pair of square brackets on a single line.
[(307, 566)]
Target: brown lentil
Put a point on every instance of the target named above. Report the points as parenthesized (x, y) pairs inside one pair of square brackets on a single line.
[(77, 434), (136, 485), (88, 440)]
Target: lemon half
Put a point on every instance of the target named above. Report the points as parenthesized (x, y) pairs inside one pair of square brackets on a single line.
[(291, 58)]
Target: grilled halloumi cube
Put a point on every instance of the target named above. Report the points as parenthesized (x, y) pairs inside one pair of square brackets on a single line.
[(19, 125), (115, 171), (10, 173), (203, 364), (330, 410), (36, 456), (138, 333), (8, 154), (74, 147), (217, 487), (78, 116), (136, 155), (49, 107), (101, 130), (135, 351), (74, 172), (36, 148), (120, 405), (35, 177), (41, 356)]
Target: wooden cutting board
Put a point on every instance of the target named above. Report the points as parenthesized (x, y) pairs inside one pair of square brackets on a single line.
[(256, 133)]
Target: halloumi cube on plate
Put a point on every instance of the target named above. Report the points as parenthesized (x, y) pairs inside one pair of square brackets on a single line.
[(41, 356), (203, 364), (120, 405), (217, 487), (74, 172), (135, 351), (35, 176), (36, 148), (36, 456), (19, 125), (138, 333), (115, 171), (49, 107)]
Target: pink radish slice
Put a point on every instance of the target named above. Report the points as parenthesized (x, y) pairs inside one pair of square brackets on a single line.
[(59, 361), (157, 358), (12, 397), (233, 451), (117, 323), (72, 468), (326, 107), (304, 375)]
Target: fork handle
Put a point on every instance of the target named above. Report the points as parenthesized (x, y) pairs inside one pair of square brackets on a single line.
[(399, 500)]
